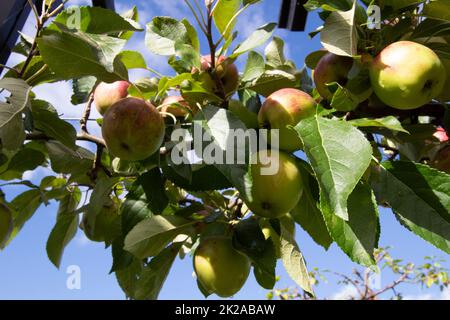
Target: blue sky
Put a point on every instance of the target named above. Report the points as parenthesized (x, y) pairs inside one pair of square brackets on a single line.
[(25, 271)]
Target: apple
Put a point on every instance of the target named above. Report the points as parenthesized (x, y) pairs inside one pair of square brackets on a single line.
[(107, 223), (441, 135), (169, 105), (286, 107), (226, 71), (445, 93), (6, 225), (106, 94), (406, 75), (331, 68), (277, 193), (219, 267), (133, 129)]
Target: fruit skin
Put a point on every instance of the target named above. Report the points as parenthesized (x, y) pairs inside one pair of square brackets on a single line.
[(133, 129), (227, 72), (107, 224), (441, 135), (445, 93), (219, 267), (6, 225), (175, 110), (106, 94), (267, 202), (286, 107), (406, 75), (331, 68)]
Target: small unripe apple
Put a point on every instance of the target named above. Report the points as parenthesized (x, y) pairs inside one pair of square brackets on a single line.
[(266, 202), (226, 71), (445, 93), (331, 68), (106, 94), (219, 267), (286, 107), (133, 129), (170, 106), (107, 223), (406, 75), (6, 225)]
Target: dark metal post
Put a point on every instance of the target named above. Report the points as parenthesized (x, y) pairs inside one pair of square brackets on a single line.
[(293, 15)]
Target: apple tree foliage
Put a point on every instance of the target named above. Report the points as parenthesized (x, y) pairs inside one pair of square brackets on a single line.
[(358, 154)]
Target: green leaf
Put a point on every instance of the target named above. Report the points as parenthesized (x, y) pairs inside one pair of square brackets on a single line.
[(82, 88), (437, 10), (150, 236), (223, 13), (255, 66), (307, 212), (357, 237), (388, 122), (420, 198), (16, 102), (65, 229), (66, 160), (95, 20), (293, 260), (339, 155), (189, 56), (275, 53), (192, 34), (46, 120), (344, 100), (24, 205), (12, 134), (132, 16), (163, 33), (339, 34), (329, 5), (257, 38), (148, 88), (132, 60), (154, 275), (313, 58), (152, 183), (271, 81), (26, 159), (76, 54)]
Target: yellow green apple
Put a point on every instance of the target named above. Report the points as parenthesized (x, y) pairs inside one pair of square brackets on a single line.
[(107, 223), (172, 104), (220, 268), (226, 71), (406, 75), (276, 184), (133, 129), (286, 107), (445, 93)]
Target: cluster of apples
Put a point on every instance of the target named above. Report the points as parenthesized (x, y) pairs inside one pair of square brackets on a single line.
[(405, 75)]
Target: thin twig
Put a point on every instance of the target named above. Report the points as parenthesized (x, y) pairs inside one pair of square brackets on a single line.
[(86, 114), (202, 27)]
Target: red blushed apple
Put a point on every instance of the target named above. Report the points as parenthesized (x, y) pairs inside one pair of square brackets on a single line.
[(331, 68), (286, 107), (406, 75), (226, 71), (441, 135), (169, 105), (106, 94), (133, 129)]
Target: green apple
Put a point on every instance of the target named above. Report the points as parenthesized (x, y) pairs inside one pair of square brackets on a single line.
[(276, 184), (107, 223), (219, 267), (6, 225), (106, 94), (286, 107), (169, 105), (331, 68), (406, 75), (133, 129), (226, 70), (445, 93)]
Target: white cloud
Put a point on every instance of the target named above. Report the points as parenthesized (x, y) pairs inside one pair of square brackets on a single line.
[(346, 293)]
